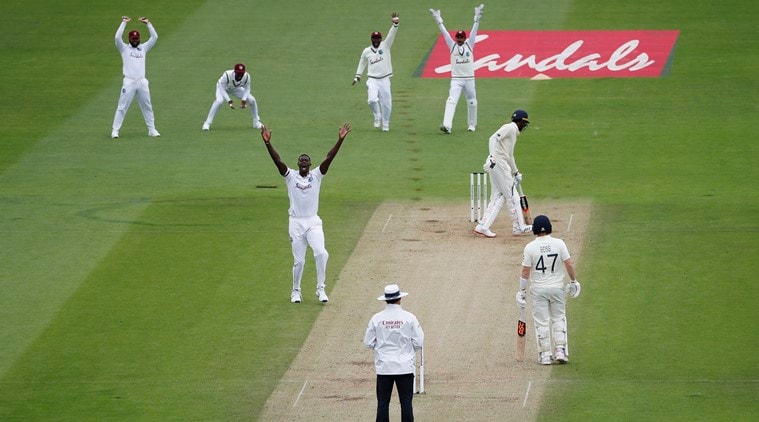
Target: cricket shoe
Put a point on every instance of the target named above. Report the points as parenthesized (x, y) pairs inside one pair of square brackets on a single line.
[(322, 296), (561, 357), (206, 127), (472, 128), (295, 296), (516, 231), (377, 122), (545, 358), (115, 134), (257, 124), (484, 232), (153, 133), (386, 127), (445, 129)]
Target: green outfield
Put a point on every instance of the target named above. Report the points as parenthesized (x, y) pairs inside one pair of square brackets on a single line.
[(148, 279)]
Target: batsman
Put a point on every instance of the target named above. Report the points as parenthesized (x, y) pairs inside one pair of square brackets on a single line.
[(545, 265), (504, 175)]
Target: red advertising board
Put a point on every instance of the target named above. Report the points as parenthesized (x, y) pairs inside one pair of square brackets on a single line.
[(562, 54)]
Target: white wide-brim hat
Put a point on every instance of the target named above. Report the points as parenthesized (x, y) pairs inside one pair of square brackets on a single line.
[(392, 292)]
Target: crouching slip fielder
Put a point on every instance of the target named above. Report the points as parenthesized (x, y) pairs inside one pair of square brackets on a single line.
[(378, 62), (542, 264), (504, 174), (305, 227), (237, 83), (462, 70)]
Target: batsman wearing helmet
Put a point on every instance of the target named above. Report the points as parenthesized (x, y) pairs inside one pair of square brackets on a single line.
[(378, 63), (504, 175), (545, 264), (462, 70)]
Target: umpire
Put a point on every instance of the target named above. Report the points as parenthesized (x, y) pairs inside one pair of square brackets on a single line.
[(395, 336)]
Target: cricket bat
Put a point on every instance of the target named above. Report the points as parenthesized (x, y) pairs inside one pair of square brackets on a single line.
[(521, 332), (525, 206)]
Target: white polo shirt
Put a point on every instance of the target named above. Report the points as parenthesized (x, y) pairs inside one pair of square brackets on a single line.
[(303, 192)]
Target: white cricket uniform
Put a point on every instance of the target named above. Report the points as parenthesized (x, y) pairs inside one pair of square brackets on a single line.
[(545, 257), (378, 64), (501, 148), (134, 82), (305, 226), (395, 336), (462, 76), (227, 84)]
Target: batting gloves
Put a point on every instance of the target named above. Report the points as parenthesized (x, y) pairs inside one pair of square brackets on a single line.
[(573, 289), (521, 298)]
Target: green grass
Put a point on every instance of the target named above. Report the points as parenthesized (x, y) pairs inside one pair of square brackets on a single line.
[(148, 279)]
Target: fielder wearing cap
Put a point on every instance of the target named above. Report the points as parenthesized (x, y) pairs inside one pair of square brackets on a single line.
[(395, 336), (462, 70), (378, 63), (135, 83), (234, 82)]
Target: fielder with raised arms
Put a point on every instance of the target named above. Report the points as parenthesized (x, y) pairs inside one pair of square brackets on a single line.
[(462, 70), (545, 263), (305, 226), (133, 58), (378, 63)]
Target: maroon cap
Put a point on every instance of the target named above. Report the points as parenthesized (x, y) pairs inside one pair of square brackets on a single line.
[(460, 34), (239, 68), (376, 34), (134, 34)]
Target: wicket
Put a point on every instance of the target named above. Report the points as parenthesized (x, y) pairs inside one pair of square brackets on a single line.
[(420, 363), (480, 201)]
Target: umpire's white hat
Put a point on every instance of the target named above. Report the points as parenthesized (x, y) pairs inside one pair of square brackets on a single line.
[(392, 292)]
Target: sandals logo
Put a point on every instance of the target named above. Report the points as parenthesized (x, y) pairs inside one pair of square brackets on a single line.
[(561, 54)]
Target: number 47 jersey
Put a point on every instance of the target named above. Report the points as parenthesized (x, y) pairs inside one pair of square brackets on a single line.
[(545, 256)]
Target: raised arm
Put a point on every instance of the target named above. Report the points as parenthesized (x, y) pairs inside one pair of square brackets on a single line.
[(120, 31), (341, 134), (393, 29), (475, 25), (439, 19), (153, 34), (266, 136)]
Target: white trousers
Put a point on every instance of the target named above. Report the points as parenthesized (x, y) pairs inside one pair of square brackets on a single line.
[(379, 98), (457, 86), (239, 93), (503, 193), (129, 89), (549, 314), (306, 232)]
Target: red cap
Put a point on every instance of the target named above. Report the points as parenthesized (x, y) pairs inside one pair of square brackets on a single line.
[(460, 34), (376, 34), (134, 34), (239, 68)]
